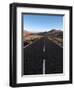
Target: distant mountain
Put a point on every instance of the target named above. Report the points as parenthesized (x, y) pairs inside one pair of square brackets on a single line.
[(26, 33), (53, 32), (57, 33), (42, 33)]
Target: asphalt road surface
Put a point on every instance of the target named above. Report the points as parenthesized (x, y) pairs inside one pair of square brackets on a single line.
[(42, 57)]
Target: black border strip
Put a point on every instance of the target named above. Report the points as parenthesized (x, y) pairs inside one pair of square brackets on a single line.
[(41, 6), (45, 14), (12, 45), (70, 46)]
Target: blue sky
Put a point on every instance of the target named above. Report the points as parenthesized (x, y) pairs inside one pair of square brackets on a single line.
[(41, 23)]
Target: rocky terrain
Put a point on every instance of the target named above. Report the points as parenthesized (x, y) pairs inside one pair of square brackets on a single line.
[(54, 35)]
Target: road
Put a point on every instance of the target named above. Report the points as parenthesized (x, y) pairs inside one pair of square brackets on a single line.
[(43, 57)]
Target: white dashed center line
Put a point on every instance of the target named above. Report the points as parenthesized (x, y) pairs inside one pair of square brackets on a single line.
[(43, 66), (44, 59)]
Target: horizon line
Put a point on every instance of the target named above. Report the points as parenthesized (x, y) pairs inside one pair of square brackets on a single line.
[(44, 31)]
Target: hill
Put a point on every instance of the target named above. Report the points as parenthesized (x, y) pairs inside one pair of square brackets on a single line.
[(55, 35)]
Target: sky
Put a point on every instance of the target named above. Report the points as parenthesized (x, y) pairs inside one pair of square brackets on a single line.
[(41, 23)]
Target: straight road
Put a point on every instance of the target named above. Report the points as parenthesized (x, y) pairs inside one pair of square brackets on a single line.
[(43, 57)]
